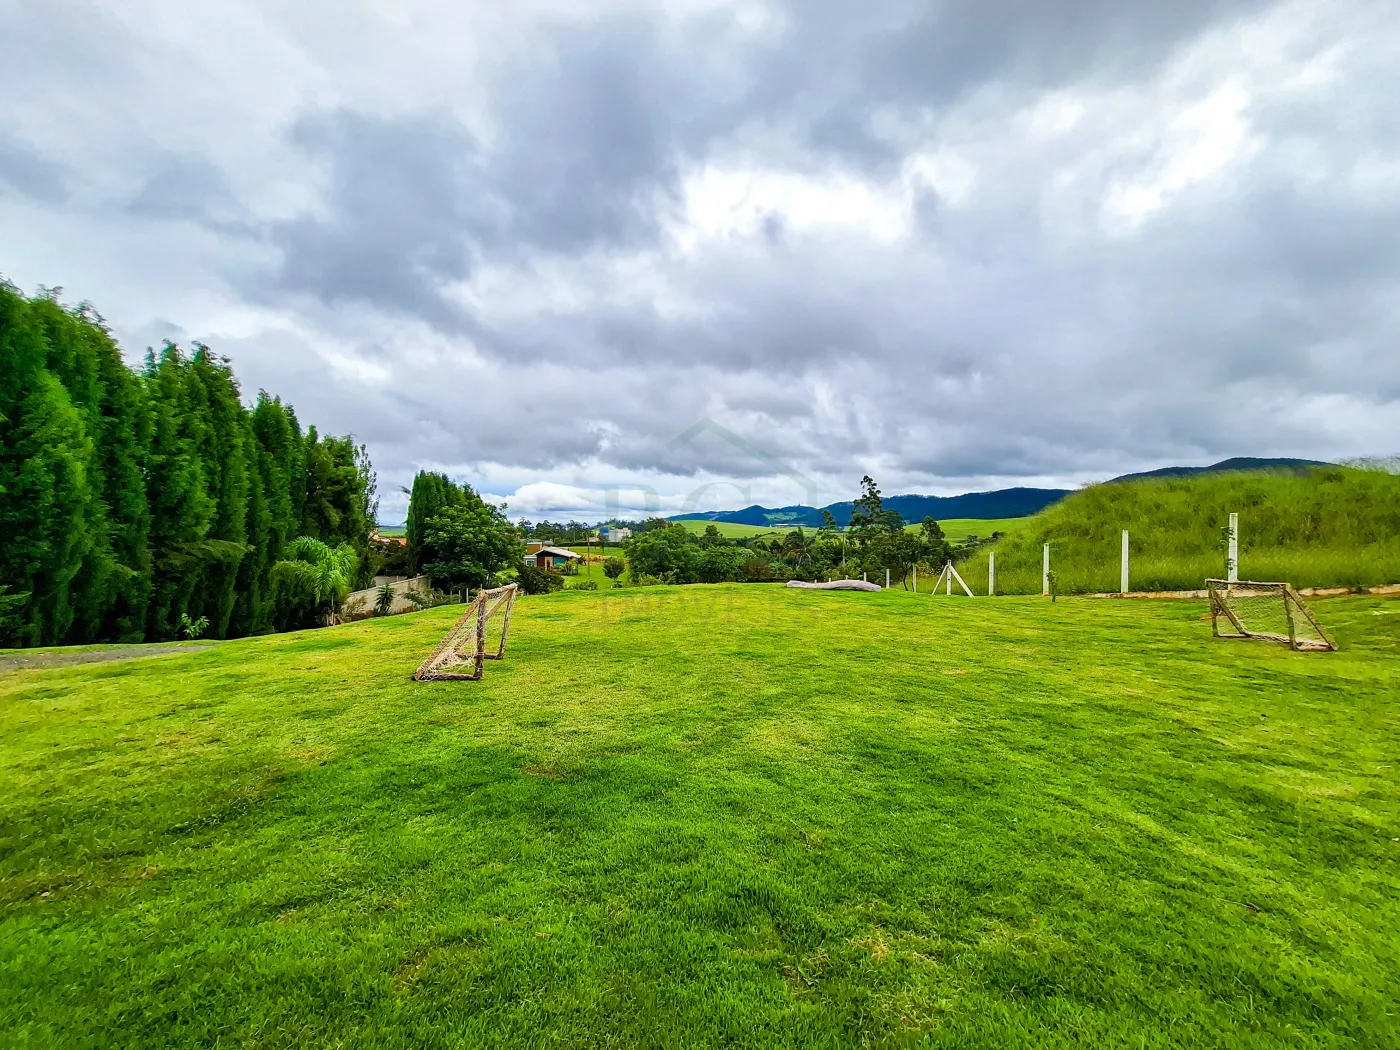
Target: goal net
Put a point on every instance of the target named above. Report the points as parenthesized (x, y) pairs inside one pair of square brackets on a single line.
[(479, 635), (1272, 611)]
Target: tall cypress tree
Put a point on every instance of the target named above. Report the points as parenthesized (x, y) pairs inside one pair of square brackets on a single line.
[(224, 452), (431, 493), (130, 499), (45, 452)]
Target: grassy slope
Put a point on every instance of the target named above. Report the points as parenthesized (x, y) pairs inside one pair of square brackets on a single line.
[(695, 816), (1332, 527)]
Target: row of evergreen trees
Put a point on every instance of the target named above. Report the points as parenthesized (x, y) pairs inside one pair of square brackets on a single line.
[(132, 498)]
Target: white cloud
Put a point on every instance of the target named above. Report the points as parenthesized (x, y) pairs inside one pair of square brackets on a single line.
[(583, 226)]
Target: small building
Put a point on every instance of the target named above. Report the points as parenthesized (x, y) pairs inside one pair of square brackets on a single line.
[(546, 557), (614, 534)]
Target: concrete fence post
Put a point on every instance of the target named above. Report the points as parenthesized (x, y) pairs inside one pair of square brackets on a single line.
[(1045, 571), (1232, 558), (1123, 574), (991, 573)]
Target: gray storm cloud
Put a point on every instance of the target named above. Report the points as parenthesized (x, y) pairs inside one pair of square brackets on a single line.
[(951, 245)]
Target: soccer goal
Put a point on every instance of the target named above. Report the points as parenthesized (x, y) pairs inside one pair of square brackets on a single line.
[(479, 635), (1272, 611)]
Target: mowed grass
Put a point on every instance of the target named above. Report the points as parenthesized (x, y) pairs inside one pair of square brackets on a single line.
[(714, 816)]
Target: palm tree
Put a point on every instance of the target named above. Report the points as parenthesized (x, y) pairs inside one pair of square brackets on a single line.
[(319, 570), (384, 600), (800, 547)]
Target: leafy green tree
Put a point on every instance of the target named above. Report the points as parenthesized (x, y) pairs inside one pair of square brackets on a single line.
[(468, 543), (936, 551), (670, 554), (431, 494), (722, 564), (614, 567)]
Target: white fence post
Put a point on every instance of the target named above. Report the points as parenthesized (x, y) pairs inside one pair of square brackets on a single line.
[(1232, 559), (887, 579), (916, 579), (1123, 576), (991, 573), (1045, 572)]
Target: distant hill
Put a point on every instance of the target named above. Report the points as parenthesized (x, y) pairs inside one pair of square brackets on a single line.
[(1238, 463), (1003, 503)]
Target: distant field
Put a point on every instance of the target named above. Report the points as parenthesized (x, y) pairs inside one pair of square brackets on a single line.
[(735, 816), (392, 530), (730, 530), (958, 529)]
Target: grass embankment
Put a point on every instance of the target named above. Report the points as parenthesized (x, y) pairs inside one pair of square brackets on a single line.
[(1330, 527), (704, 816)]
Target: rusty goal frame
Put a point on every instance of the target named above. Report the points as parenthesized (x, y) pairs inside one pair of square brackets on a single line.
[(466, 642)]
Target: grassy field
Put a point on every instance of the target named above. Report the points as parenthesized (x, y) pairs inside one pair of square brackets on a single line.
[(1331, 527), (732, 530), (713, 816), (958, 529)]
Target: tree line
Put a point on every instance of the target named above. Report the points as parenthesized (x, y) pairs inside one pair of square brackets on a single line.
[(137, 501), (876, 540)]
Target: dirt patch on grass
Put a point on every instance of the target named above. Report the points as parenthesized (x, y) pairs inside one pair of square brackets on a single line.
[(18, 660)]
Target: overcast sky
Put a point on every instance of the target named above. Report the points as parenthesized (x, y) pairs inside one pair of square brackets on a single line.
[(954, 245)]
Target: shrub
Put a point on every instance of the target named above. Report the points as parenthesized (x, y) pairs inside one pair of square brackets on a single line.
[(353, 609), (193, 628), (534, 580), (614, 567), (427, 599), (586, 585), (757, 570)]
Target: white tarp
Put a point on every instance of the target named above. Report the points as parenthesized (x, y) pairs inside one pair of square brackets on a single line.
[(835, 585)]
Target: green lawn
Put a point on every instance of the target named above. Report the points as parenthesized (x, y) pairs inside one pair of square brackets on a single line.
[(714, 816)]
